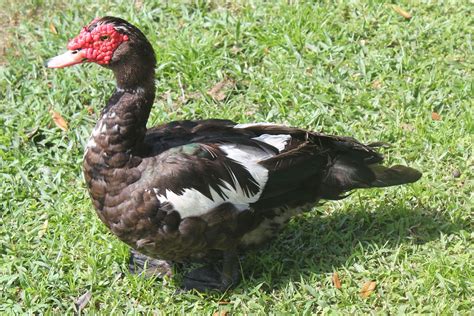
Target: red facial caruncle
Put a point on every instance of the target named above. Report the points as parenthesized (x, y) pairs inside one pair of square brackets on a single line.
[(99, 44)]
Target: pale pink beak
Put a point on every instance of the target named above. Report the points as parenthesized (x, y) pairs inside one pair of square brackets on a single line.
[(69, 58)]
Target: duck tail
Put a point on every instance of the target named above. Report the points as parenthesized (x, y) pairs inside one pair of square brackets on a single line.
[(395, 175), (347, 174)]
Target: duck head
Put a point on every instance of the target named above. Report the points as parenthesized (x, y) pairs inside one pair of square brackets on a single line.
[(106, 41), (112, 43)]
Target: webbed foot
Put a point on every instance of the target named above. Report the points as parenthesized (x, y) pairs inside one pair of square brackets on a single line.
[(149, 267), (212, 278)]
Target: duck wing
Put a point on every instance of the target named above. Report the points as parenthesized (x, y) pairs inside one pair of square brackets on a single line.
[(203, 164), (316, 166)]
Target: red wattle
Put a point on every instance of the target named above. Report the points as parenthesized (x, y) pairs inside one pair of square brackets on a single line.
[(98, 44)]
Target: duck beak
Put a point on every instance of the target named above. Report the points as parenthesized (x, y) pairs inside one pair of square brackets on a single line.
[(69, 58)]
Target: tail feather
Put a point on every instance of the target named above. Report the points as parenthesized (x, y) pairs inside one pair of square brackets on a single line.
[(395, 175), (347, 174)]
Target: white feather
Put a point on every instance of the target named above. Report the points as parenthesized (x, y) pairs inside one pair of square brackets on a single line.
[(245, 125), (95, 132), (137, 90), (121, 28), (98, 129), (278, 141), (91, 143), (193, 203), (103, 128), (249, 157)]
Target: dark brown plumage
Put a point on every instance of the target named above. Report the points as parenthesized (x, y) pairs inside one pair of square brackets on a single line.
[(200, 190)]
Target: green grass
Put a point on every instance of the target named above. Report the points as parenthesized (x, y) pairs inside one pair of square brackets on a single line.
[(354, 69)]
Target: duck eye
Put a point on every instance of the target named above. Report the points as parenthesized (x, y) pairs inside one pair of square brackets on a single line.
[(104, 37)]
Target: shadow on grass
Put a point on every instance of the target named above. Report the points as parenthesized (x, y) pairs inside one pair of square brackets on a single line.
[(322, 244)]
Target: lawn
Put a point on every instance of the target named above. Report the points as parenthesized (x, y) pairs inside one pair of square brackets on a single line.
[(355, 68)]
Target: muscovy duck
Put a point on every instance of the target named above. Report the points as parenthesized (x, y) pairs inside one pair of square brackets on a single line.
[(204, 189)]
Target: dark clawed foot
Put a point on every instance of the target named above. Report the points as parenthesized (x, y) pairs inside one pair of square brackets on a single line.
[(210, 277), (140, 264)]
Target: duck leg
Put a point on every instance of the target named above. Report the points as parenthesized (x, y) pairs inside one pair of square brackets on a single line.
[(149, 267), (210, 277)]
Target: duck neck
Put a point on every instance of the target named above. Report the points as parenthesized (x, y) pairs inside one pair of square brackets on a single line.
[(135, 75), (122, 125)]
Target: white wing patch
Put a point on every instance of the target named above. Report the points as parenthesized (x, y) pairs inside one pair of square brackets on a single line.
[(278, 141), (249, 157), (193, 203), (245, 125)]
